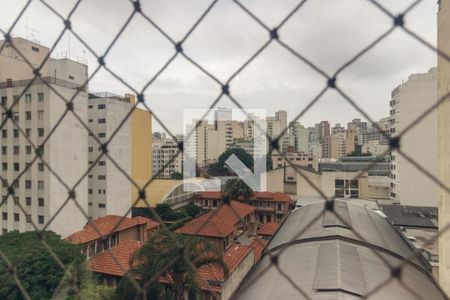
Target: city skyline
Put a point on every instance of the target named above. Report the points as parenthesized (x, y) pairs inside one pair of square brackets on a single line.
[(292, 85)]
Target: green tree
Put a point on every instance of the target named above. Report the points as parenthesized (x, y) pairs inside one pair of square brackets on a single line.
[(192, 209), (39, 273), (236, 188), (161, 252), (176, 175), (166, 212), (220, 168), (91, 290)]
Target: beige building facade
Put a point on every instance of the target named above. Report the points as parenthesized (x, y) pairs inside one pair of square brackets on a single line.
[(444, 143), (39, 191), (409, 100)]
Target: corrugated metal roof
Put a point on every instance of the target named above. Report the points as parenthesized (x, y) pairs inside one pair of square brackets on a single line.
[(335, 263)]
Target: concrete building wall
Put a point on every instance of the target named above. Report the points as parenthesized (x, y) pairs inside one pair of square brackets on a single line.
[(141, 145), (37, 112), (109, 189), (444, 143), (409, 185), (234, 279)]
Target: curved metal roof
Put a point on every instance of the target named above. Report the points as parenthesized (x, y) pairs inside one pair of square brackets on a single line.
[(344, 252)]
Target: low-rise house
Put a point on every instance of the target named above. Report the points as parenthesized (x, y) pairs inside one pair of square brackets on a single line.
[(222, 225), (266, 230), (270, 206), (211, 278), (112, 265), (106, 232)]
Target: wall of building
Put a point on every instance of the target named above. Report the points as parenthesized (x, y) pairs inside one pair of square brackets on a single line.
[(141, 159), (444, 143), (235, 278), (409, 101), (68, 158)]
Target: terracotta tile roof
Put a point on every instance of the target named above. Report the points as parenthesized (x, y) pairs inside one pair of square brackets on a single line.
[(268, 228), (217, 223), (258, 246), (105, 225), (211, 273), (104, 262), (270, 196)]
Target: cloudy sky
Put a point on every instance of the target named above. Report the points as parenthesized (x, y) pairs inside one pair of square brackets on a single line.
[(327, 32)]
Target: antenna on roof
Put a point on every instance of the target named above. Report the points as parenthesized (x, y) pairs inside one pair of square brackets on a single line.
[(31, 33)]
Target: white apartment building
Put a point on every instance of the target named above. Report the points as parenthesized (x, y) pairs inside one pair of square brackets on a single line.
[(163, 153), (38, 190), (109, 192), (300, 136), (409, 100)]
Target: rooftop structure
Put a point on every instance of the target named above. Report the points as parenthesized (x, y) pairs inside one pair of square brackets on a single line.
[(338, 260)]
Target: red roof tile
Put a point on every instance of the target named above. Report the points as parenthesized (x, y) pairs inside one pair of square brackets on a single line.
[(258, 246), (217, 223), (105, 263), (232, 257), (268, 228), (105, 226), (270, 196)]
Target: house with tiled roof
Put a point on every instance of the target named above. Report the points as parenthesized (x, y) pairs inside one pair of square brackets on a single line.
[(221, 225), (270, 206), (110, 266), (211, 278), (106, 232), (266, 230)]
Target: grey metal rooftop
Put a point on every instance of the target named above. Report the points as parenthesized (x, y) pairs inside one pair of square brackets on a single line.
[(338, 258)]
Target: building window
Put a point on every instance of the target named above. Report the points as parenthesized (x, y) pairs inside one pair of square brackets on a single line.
[(40, 184), (28, 149), (16, 167), (27, 98), (41, 167), (28, 218), (16, 150), (16, 116), (101, 163), (90, 106), (4, 101), (41, 219), (4, 133), (28, 201), (90, 191), (16, 217), (40, 131), (5, 166), (90, 120), (27, 132), (28, 115), (101, 177), (4, 150), (40, 97), (16, 133), (34, 49), (91, 149), (5, 216), (102, 135), (71, 77), (40, 114), (101, 106), (41, 201), (4, 183), (28, 184), (101, 205), (101, 121)]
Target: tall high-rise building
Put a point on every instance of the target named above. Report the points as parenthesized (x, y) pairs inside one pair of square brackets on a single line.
[(409, 100), (129, 148), (444, 143), (165, 163), (39, 191), (300, 136)]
